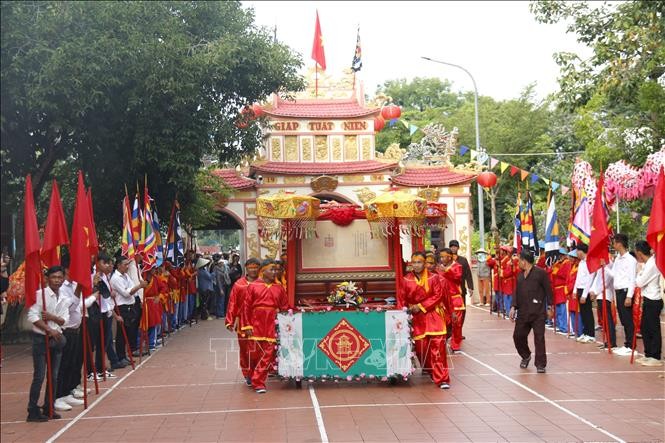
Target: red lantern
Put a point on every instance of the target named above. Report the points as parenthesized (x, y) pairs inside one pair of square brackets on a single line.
[(379, 124), (487, 179), (257, 110), (391, 112)]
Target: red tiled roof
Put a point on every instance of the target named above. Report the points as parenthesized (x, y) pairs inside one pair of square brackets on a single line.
[(294, 168), (432, 176), (233, 180), (347, 108)]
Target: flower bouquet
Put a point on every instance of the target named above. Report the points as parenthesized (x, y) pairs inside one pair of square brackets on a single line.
[(346, 293)]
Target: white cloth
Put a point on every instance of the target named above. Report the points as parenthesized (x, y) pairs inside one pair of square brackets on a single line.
[(649, 280), (106, 305), (597, 284), (68, 290), (625, 271), (121, 287), (583, 279), (55, 304)]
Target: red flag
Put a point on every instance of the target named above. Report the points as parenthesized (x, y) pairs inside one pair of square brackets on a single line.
[(599, 244), (94, 245), (79, 251), (656, 229), (55, 233), (33, 264), (514, 170), (318, 54)]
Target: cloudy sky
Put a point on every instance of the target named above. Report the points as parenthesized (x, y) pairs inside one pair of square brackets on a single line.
[(500, 43)]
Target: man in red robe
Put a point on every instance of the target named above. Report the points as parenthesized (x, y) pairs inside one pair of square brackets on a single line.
[(559, 274), (497, 298), (508, 272), (152, 308), (422, 293), (263, 300), (451, 271), (236, 299)]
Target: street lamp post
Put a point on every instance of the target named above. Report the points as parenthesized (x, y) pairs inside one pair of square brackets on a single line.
[(481, 219)]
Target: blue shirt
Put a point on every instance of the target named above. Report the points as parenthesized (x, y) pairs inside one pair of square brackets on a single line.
[(204, 280)]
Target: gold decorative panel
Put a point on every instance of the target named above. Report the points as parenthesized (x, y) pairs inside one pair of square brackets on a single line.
[(350, 147), (430, 194), (353, 178), (294, 179), (367, 148), (269, 179), (291, 148), (337, 149), (378, 178), (455, 190), (307, 149), (321, 148), (275, 149)]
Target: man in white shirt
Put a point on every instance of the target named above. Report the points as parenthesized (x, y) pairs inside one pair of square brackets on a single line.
[(604, 310), (652, 304), (124, 291), (47, 317), (625, 271), (582, 284)]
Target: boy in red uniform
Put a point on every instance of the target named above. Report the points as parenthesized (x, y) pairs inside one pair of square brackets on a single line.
[(575, 320), (508, 272), (236, 299), (497, 298), (559, 279), (263, 300), (152, 308), (422, 293), (451, 271)]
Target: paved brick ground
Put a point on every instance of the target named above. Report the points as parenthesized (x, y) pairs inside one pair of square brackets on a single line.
[(185, 392)]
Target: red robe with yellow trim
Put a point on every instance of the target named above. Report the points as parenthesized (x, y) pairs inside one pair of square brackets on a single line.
[(494, 265), (152, 308), (453, 276), (559, 279), (571, 295), (507, 276), (260, 307), (236, 299), (430, 320)]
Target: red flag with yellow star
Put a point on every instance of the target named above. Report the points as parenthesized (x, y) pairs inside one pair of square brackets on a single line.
[(318, 54), (656, 229), (79, 251)]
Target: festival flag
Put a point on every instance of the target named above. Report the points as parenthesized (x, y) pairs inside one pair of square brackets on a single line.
[(514, 170), (33, 264), (357, 62), (493, 162), (136, 223), (656, 229), (128, 249), (463, 150), (551, 231), (599, 242), (528, 224), (580, 227), (524, 174), (564, 190), (148, 242), (504, 166), (55, 234), (318, 54), (517, 233), (174, 247), (79, 250), (94, 244), (474, 154), (159, 250)]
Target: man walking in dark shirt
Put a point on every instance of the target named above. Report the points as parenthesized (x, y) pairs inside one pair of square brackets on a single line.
[(528, 310), (467, 276)]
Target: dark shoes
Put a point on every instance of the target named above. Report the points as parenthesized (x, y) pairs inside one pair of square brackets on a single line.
[(119, 365), (37, 417), (525, 362), (540, 370)]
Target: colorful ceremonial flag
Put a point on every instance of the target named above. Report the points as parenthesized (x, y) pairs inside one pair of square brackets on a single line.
[(357, 62), (33, 264), (318, 54), (94, 244), (656, 229), (128, 249), (580, 228), (174, 246), (551, 231), (136, 223), (159, 250), (148, 242), (55, 234), (529, 232), (79, 250), (517, 233), (599, 242)]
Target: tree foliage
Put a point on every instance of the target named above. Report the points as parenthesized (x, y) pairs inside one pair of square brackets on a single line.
[(124, 89)]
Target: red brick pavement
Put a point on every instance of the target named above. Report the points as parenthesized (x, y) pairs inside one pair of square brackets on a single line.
[(185, 392)]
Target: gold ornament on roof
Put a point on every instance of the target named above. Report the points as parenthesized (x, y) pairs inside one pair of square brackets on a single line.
[(393, 152), (365, 194)]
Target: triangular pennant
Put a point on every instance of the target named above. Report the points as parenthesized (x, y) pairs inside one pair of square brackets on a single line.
[(546, 180), (504, 166), (412, 129), (564, 190), (493, 162), (645, 219), (555, 186), (405, 123), (392, 122), (514, 170), (534, 178), (463, 150), (474, 154), (524, 174)]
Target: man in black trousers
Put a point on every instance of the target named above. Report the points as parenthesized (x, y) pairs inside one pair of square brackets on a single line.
[(531, 305), (467, 276)]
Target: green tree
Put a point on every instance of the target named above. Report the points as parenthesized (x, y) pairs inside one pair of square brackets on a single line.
[(125, 89)]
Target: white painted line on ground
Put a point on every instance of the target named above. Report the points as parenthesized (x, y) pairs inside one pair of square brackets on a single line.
[(14, 354), (319, 417), (55, 436), (547, 400)]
